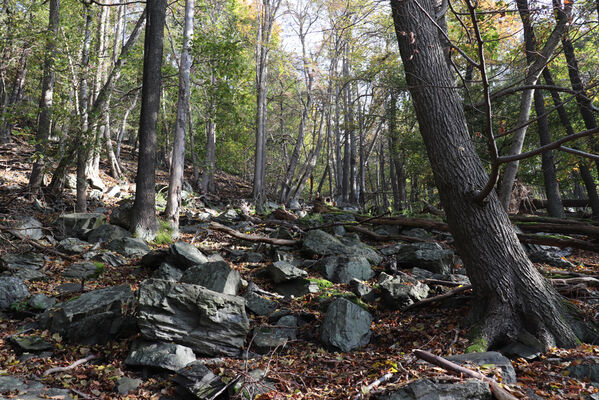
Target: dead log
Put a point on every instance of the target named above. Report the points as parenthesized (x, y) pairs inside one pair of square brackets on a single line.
[(408, 222), (252, 238), (541, 203), (445, 295), (558, 242), (566, 228), (383, 238), (499, 392)]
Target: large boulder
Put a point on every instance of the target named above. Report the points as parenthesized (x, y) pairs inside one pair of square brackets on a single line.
[(169, 356), (550, 258), (94, 317), (401, 290), (341, 269), (186, 255), (429, 256), (17, 388), (129, 247), (320, 243), (217, 276), (197, 381), (424, 389), (73, 246), (210, 323), (346, 326), (11, 290), (106, 233), (121, 215), (24, 266), (258, 304), (282, 271), (79, 224), (82, 270), (167, 272)]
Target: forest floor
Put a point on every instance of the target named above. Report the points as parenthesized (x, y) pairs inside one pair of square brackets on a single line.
[(302, 369)]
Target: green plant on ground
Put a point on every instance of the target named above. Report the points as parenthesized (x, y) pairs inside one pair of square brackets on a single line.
[(323, 284), (165, 233), (100, 268)]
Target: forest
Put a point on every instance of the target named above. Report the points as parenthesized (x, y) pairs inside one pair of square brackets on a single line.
[(299, 199)]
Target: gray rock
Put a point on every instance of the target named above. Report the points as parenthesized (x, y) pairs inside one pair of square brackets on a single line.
[(361, 290), (121, 215), (346, 326), (228, 217), (82, 270), (587, 369), (339, 230), (30, 343), (186, 255), (217, 276), (490, 357), (11, 290), (198, 381), (41, 302), (253, 257), (69, 288), (258, 304), (72, 246), (24, 266), (94, 317), (387, 230), (113, 191), (27, 227), (429, 256), (29, 389), (266, 338), (210, 323), (129, 247), (418, 233), (401, 291), (106, 233), (254, 385), (168, 272), (105, 257), (216, 258), (126, 385), (282, 271), (79, 224), (520, 350), (424, 389), (294, 205), (297, 288), (155, 258), (169, 356), (320, 243), (546, 257), (341, 269)]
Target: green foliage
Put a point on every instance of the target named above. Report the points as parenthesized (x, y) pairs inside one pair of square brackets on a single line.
[(100, 268), (19, 306), (164, 234), (323, 284), (477, 343)]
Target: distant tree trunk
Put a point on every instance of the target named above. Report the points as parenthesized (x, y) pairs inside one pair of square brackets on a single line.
[(143, 221), (173, 201), (585, 173), (192, 149), (115, 169), (514, 301), (210, 163), (6, 121), (555, 207), (123, 129), (45, 107), (385, 198)]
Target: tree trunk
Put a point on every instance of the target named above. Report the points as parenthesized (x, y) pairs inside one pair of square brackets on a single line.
[(6, 122), (45, 107), (555, 207), (173, 201), (513, 300), (210, 163), (123, 129), (143, 220)]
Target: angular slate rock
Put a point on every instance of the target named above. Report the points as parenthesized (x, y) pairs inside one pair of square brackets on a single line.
[(489, 357), (341, 269), (129, 247), (186, 255), (30, 343), (121, 215), (41, 302), (169, 356), (547, 257), (82, 270), (281, 271), (587, 369), (24, 266), (79, 224), (167, 272), (27, 227), (198, 381), (126, 385), (346, 326), (401, 291), (297, 288), (72, 246), (258, 304), (105, 257), (429, 256), (94, 317), (320, 243), (424, 389), (155, 258), (217, 276), (106, 233), (210, 323), (11, 290), (267, 338)]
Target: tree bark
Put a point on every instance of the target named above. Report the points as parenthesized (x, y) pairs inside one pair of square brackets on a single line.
[(513, 299), (173, 201), (45, 107), (143, 220), (6, 122)]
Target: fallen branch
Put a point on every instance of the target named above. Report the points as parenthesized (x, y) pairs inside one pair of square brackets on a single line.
[(558, 242), (73, 365), (374, 384), (253, 238), (445, 295), (499, 392), (383, 238), (442, 283), (39, 246), (590, 281)]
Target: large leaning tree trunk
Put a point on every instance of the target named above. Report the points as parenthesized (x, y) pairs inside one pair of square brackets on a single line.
[(514, 302), (143, 220)]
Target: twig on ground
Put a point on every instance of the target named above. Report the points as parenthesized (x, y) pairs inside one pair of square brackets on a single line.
[(374, 384), (253, 238), (69, 367)]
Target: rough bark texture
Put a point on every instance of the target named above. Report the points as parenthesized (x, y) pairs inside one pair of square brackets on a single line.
[(143, 221), (173, 201), (45, 113), (514, 300)]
